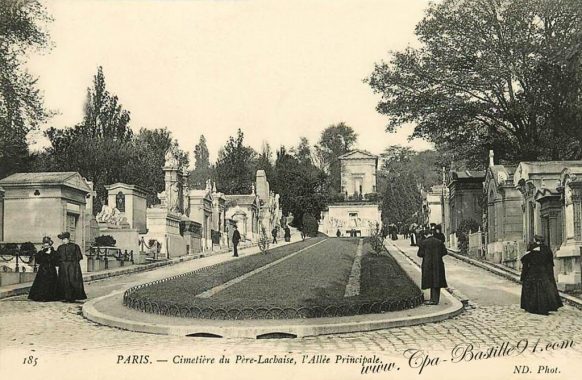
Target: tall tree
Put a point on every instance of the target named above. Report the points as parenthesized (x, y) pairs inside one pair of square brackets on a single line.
[(235, 167), (401, 176), (307, 195), (490, 74), (202, 170), (21, 105), (145, 168), (303, 152), (335, 140), (104, 117), (99, 148)]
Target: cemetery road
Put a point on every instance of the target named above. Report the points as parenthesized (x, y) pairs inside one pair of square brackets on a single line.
[(60, 327)]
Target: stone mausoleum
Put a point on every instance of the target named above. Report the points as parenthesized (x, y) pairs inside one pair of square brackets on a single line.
[(39, 204), (187, 221), (359, 212)]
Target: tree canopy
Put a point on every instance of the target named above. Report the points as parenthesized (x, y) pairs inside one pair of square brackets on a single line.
[(202, 168), (235, 166), (103, 148), (401, 177), (490, 74), (335, 140), (301, 186), (21, 105)]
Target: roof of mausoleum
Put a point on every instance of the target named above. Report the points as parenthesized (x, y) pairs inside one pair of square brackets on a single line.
[(241, 199), (70, 179), (357, 153), (551, 169), (467, 175)]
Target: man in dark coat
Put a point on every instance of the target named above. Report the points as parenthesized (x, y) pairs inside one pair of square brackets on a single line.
[(70, 276), (432, 251), (235, 240), (439, 234), (539, 293)]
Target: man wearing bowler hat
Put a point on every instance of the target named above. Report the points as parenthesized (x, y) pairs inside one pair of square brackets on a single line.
[(70, 277)]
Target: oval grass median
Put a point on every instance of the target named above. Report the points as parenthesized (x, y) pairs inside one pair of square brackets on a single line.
[(301, 280)]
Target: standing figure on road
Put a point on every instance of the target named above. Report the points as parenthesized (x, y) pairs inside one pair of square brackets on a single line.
[(539, 293), (432, 251), (235, 240), (439, 234), (287, 234), (45, 285), (413, 237), (70, 276), (274, 234)]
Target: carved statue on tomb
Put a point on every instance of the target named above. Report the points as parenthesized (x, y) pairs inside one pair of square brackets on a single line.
[(568, 192), (105, 214), (111, 216), (171, 160), (173, 197)]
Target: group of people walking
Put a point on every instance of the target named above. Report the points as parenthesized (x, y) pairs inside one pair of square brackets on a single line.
[(59, 276), (539, 292)]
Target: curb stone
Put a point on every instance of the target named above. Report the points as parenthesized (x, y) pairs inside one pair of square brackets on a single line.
[(102, 310), (511, 275), (456, 293)]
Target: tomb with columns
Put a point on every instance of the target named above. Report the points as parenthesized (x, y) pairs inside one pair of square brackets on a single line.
[(504, 225), (550, 206)]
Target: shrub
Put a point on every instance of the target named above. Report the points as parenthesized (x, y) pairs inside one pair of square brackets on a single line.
[(105, 241), (376, 240), (372, 197), (310, 225), (27, 248), (466, 227)]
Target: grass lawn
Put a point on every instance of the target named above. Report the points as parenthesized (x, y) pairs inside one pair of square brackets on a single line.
[(310, 284), (184, 288)]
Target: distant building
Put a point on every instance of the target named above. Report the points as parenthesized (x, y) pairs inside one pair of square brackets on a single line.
[(359, 211)]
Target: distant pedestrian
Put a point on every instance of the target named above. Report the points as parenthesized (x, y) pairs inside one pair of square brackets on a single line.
[(439, 234), (413, 236), (45, 285), (432, 251), (235, 240), (287, 234), (274, 233), (70, 277), (539, 293), (338, 233)]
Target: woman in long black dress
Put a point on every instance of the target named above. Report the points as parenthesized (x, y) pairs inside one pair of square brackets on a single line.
[(45, 285), (539, 293)]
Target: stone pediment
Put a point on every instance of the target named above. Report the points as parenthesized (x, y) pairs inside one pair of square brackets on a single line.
[(358, 155), (69, 179)]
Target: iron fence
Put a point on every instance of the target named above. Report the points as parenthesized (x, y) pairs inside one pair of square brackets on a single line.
[(19, 253), (109, 253)]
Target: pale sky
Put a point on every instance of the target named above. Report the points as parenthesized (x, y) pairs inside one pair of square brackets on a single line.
[(276, 69)]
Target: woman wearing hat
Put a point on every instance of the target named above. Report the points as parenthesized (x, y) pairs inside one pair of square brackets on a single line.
[(70, 276), (539, 293), (45, 285)]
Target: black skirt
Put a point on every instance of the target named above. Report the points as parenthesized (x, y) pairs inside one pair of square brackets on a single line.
[(45, 285)]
